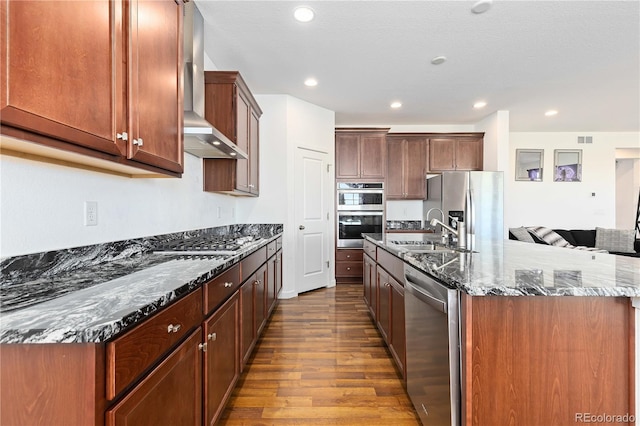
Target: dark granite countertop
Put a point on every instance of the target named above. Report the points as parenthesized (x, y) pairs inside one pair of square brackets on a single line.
[(514, 268), (93, 293)]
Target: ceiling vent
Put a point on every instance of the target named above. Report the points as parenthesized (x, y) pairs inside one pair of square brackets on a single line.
[(585, 139)]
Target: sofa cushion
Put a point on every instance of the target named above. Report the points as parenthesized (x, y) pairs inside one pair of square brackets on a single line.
[(584, 237), (616, 240), (521, 234), (567, 235), (549, 236)]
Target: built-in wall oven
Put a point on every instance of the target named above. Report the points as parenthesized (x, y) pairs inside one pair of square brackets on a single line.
[(360, 210)]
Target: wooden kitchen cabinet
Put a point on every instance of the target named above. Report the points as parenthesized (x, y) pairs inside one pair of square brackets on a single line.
[(369, 284), (170, 394), (453, 152), (274, 274), (222, 357), (406, 167), (348, 265), (232, 109), (383, 320), (397, 341), (361, 154), (101, 101)]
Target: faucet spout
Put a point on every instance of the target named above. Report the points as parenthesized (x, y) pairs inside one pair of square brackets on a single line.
[(435, 222)]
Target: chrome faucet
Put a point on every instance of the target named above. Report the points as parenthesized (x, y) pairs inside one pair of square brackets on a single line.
[(460, 233), (435, 208)]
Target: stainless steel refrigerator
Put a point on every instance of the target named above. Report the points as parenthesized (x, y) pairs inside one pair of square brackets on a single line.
[(473, 197)]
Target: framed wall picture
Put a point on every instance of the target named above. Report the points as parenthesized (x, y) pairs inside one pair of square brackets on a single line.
[(567, 165), (529, 163)]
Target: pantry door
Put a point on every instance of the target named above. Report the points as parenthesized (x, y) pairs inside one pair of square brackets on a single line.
[(312, 204)]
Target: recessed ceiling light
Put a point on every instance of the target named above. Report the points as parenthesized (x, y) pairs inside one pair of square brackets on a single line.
[(311, 82), (551, 112), (216, 142), (303, 14), (438, 60), (233, 154), (396, 104), (480, 104), (481, 6)]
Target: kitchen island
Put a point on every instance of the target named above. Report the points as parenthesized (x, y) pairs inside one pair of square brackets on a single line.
[(547, 335), (154, 330)]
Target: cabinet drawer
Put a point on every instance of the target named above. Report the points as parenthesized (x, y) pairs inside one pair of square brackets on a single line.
[(251, 264), (349, 255), (391, 264), (134, 352), (271, 249), (279, 243), (219, 289), (370, 249), (349, 269)]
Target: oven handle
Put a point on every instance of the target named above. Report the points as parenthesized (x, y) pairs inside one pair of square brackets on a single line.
[(359, 213)]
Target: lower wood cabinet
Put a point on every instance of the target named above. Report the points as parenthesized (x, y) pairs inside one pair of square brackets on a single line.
[(171, 394), (348, 265), (178, 367), (384, 296), (222, 357)]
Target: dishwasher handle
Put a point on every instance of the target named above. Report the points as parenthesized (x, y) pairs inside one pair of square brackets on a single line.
[(425, 297)]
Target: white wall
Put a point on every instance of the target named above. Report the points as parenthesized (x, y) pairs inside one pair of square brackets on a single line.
[(567, 205), (496, 141), (627, 188), (286, 124), (42, 205)]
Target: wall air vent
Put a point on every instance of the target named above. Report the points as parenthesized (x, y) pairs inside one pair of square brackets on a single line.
[(585, 139)]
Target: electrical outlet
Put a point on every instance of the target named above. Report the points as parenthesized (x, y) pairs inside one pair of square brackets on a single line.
[(219, 213), (90, 213)]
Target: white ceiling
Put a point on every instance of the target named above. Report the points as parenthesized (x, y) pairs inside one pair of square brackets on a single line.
[(581, 58)]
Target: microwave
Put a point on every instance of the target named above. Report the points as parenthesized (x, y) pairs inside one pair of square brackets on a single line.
[(360, 196)]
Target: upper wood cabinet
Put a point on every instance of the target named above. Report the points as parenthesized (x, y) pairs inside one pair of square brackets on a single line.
[(95, 78), (360, 153), (406, 167), (451, 152), (232, 109)]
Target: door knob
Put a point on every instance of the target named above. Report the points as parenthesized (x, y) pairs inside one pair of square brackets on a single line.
[(301, 227)]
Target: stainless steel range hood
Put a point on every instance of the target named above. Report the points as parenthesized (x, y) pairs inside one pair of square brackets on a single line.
[(201, 138)]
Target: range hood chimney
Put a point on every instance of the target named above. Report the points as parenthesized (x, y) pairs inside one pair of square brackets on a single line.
[(201, 138)]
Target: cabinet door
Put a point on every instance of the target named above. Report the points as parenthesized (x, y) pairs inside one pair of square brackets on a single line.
[(170, 395), (155, 83), (260, 295), (415, 165), (369, 277), (243, 112), (373, 154), (441, 154), (271, 284), (398, 339), (384, 307), (395, 168), (347, 156), (469, 154), (247, 319), (59, 71), (222, 359), (278, 273), (254, 153)]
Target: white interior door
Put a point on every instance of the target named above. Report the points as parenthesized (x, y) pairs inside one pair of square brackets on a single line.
[(312, 219)]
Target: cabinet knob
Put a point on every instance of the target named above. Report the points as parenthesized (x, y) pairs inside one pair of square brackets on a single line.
[(202, 347), (251, 185), (138, 142), (212, 336), (173, 328), (348, 269), (124, 136), (227, 285), (348, 256)]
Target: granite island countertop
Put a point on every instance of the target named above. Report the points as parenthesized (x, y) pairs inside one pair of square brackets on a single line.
[(93, 293), (514, 268)]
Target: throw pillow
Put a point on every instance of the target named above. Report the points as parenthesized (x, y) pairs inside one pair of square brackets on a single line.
[(549, 236), (521, 234), (620, 240)]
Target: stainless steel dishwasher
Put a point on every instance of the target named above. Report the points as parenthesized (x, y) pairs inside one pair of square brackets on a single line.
[(433, 354)]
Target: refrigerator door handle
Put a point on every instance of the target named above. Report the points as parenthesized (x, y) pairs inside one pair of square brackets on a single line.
[(471, 224)]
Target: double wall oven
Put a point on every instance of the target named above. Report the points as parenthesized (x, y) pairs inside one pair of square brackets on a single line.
[(360, 209)]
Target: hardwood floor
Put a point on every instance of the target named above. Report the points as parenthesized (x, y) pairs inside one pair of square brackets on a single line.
[(320, 361)]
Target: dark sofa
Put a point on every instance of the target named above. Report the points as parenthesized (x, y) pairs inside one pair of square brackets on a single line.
[(582, 237)]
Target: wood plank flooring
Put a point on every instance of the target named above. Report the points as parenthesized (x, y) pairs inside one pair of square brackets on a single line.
[(320, 361)]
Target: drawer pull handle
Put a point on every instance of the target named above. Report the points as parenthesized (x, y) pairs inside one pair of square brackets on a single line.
[(227, 285), (202, 347), (212, 336), (348, 269), (173, 328)]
